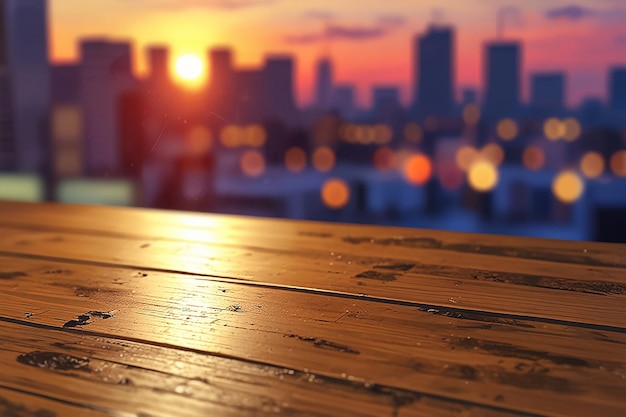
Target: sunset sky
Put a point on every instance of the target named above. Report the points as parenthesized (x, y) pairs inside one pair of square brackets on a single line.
[(369, 40)]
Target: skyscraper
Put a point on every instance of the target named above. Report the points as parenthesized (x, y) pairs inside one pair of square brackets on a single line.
[(386, 103), (344, 100), (502, 79), (105, 74), (158, 58), (433, 72), (221, 85), (617, 88), (279, 89), (24, 84), (324, 84), (547, 91)]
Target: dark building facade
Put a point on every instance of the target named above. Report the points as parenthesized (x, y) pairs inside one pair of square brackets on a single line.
[(547, 91), (434, 72), (502, 79)]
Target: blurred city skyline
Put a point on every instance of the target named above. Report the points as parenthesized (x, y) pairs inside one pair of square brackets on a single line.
[(370, 45)]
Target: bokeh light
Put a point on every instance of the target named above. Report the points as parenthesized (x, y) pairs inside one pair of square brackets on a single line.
[(413, 132), (323, 159), (200, 140), (507, 129), (383, 134), (295, 159), (493, 153), (384, 159), (255, 136), (592, 165), (567, 187), (618, 163), (553, 129), (471, 114), (230, 136), (533, 158), (252, 163), (465, 157), (418, 169), (571, 129), (483, 175), (449, 175), (335, 193)]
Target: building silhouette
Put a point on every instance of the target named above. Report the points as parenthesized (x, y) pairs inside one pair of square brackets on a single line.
[(344, 100), (324, 84), (502, 79), (221, 84), (547, 91), (24, 85), (158, 61), (617, 88), (66, 120), (278, 92), (434, 72), (385, 104), (105, 73)]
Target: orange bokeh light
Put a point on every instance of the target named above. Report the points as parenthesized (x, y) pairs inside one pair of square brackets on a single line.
[(335, 193), (493, 153), (568, 187), (324, 159), (465, 156), (252, 163), (592, 165), (295, 159), (618, 163), (533, 158), (471, 114), (507, 129), (483, 175), (417, 169)]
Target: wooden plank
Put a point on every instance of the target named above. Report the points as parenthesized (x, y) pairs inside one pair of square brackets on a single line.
[(206, 227), (125, 376), (580, 297), (21, 403), (486, 361)]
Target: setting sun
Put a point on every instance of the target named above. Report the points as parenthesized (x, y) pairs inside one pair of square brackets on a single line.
[(189, 68)]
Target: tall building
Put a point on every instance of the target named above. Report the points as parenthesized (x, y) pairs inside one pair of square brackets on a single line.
[(617, 88), (24, 85), (324, 84), (434, 72), (547, 91), (66, 119), (105, 74), (279, 89), (221, 85), (158, 60), (502, 79), (344, 100), (386, 103)]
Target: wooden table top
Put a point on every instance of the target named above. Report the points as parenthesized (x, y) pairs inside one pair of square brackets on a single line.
[(134, 312)]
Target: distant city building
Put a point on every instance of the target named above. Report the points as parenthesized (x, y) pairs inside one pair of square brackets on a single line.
[(324, 84), (385, 103), (617, 88), (469, 95), (279, 89), (433, 72), (221, 85), (105, 73), (248, 95), (66, 117), (502, 79), (344, 100), (547, 91), (24, 85), (158, 61)]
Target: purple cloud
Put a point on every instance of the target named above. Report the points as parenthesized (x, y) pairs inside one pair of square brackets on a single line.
[(571, 12)]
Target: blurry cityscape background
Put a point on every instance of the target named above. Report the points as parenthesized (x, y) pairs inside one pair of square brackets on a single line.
[(519, 152)]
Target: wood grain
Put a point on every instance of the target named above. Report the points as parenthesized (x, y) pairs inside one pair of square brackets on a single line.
[(109, 311)]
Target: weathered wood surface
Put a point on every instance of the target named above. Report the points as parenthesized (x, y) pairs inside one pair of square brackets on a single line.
[(109, 311)]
